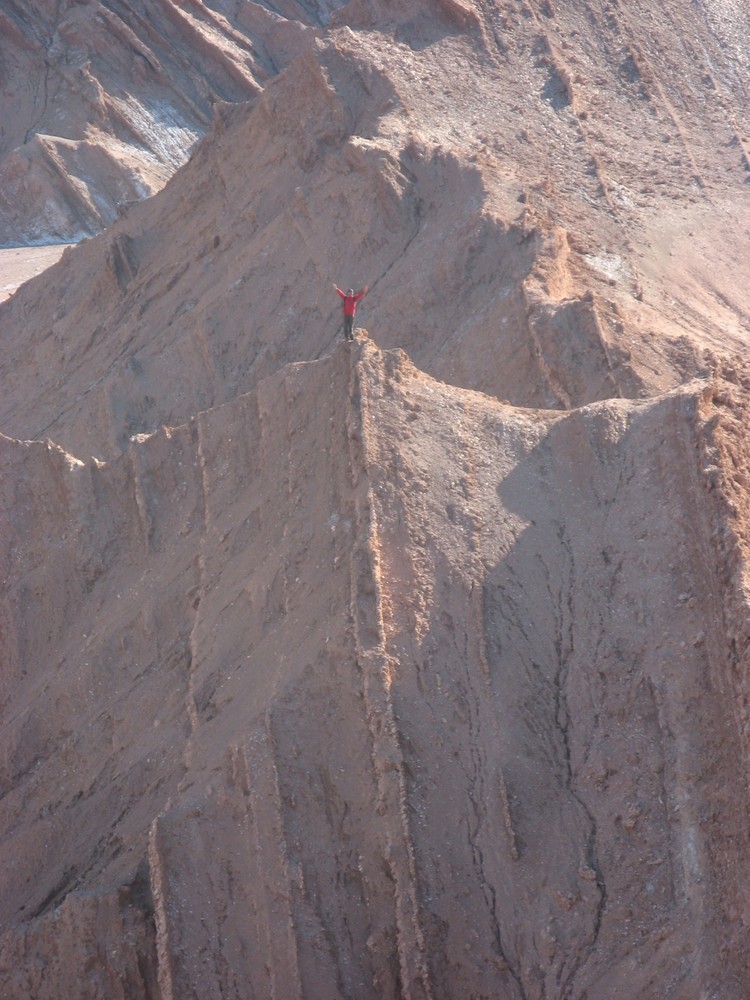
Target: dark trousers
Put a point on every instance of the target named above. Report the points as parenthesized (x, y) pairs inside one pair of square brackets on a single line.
[(349, 327)]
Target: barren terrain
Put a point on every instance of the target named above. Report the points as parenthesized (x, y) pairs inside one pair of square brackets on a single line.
[(19, 264), (414, 667)]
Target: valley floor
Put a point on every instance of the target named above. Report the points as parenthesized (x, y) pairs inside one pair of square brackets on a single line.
[(18, 264)]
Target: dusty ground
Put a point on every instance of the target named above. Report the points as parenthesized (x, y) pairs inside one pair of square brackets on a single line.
[(18, 264), (414, 667)]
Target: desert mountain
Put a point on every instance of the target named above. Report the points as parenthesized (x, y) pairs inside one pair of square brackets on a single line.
[(103, 101), (413, 667)]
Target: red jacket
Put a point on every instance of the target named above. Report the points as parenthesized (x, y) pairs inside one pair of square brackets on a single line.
[(350, 301)]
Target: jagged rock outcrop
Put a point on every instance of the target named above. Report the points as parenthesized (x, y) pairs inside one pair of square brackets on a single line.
[(336, 671)]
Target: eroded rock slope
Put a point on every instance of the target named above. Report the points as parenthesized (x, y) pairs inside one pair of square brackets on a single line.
[(103, 100), (408, 715), (336, 671), (510, 244)]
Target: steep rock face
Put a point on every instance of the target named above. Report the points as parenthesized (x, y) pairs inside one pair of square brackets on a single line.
[(326, 678), (384, 705)]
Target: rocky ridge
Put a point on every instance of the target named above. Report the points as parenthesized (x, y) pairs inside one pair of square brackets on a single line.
[(334, 676)]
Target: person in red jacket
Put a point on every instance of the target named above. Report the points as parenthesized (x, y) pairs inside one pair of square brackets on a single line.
[(350, 307)]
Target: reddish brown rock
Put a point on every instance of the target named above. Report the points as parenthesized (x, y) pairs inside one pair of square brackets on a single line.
[(339, 674)]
